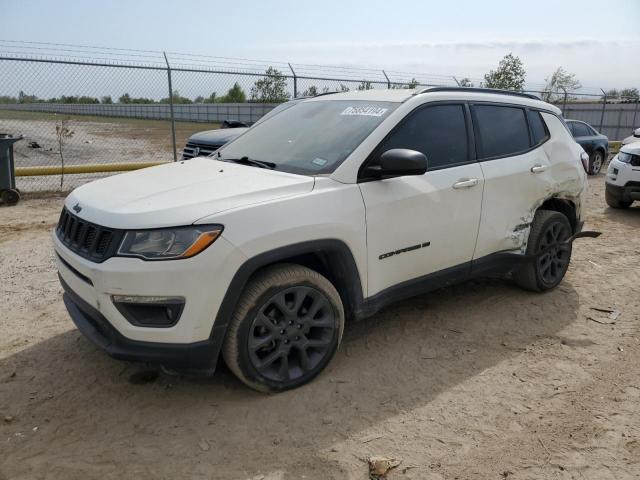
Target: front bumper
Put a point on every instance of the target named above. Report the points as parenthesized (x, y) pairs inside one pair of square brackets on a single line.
[(627, 193), (200, 356), (192, 343)]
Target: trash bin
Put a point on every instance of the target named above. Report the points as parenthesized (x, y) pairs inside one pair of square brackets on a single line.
[(9, 194)]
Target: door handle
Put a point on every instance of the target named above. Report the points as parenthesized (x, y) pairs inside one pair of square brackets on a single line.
[(465, 183), (538, 168)]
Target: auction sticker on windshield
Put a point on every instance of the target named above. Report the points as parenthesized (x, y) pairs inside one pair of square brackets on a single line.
[(365, 110)]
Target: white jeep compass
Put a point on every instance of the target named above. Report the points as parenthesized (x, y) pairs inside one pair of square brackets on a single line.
[(326, 211)]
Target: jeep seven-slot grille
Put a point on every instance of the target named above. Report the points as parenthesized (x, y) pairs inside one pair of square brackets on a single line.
[(88, 240)]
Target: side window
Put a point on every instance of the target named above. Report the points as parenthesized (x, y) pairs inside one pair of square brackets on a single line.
[(539, 129), (580, 130), (501, 130), (571, 129), (438, 131)]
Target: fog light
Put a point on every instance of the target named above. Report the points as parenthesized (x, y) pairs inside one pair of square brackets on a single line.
[(149, 311)]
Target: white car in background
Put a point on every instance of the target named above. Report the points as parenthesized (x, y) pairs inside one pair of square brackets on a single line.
[(325, 212), (634, 137), (623, 177)]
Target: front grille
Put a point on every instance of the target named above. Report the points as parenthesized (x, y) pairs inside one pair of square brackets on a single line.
[(88, 240), (193, 149)]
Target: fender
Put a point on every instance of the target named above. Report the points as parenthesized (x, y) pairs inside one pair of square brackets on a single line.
[(346, 278)]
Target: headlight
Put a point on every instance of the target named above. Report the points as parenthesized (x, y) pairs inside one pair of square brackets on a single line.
[(624, 157), (168, 243)]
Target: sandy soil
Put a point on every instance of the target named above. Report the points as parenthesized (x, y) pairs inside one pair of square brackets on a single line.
[(94, 140), (481, 380)]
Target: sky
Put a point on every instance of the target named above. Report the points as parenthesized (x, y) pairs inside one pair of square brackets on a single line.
[(596, 40)]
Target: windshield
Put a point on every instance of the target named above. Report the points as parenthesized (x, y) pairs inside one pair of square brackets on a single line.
[(309, 138)]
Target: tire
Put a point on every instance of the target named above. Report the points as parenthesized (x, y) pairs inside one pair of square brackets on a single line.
[(546, 272), (10, 197), (273, 343), (615, 202), (596, 162)]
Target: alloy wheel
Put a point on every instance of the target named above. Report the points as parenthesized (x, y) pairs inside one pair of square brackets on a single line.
[(553, 263), (292, 333)]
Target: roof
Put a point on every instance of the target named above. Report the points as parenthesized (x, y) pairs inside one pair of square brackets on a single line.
[(439, 93)]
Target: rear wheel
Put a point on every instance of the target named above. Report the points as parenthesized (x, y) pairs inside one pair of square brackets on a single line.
[(285, 330), (596, 161), (549, 231), (615, 202)]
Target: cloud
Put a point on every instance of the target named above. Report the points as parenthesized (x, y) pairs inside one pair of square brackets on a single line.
[(596, 63)]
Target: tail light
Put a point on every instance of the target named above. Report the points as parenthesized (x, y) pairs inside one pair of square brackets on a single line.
[(584, 158)]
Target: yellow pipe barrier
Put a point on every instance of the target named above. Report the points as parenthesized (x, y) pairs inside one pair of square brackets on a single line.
[(89, 168)]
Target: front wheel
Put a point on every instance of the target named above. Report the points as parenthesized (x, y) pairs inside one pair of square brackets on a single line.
[(549, 231), (285, 330)]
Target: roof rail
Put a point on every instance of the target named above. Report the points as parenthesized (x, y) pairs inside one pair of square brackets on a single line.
[(477, 90)]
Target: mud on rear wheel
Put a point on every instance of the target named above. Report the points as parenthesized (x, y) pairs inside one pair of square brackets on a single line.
[(548, 230)]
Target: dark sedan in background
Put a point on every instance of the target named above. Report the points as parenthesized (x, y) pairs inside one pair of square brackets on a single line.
[(593, 142)]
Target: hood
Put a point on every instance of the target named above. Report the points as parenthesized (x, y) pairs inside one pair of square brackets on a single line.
[(630, 139), (181, 193), (631, 148), (217, 137)]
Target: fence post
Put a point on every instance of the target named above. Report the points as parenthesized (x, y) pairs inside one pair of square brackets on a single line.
[(295, 82), (388, 81), (173, 121), (604, 106), (617, 136), (456, 80), (635, 112)]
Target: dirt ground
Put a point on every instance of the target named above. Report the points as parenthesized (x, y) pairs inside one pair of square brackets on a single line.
[(94, 140), (481, 380)]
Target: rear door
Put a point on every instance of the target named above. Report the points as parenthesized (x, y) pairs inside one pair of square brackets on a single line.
[(419, 225), (516, 169)]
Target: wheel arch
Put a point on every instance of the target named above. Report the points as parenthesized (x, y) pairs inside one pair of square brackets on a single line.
[(331, 258), (565, 206)]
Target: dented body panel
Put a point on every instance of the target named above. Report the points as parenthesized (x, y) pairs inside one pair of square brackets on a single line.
[(515, 187)]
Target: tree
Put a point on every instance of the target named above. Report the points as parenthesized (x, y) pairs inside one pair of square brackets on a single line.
[(630, 94), (175, 97), (466, 82), (24, 98), (63, 133), (510, 74), (124, 98), (312, 91), (198, 99), (365, 85), (211, 98), (412, 84), (272, 88), (343, 88), (612, 93), (558, 83), (107, 100), (234, 95)]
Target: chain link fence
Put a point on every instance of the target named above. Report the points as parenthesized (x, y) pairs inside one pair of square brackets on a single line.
[(84, 109)]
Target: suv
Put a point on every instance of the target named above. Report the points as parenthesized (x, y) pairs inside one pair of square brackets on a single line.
[(595, 144), (622, 185), (327, 211)]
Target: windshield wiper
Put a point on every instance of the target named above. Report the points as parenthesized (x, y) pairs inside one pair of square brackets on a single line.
[(250, 161)]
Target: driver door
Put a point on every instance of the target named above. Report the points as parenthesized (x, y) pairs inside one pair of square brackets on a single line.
[(426, 224)]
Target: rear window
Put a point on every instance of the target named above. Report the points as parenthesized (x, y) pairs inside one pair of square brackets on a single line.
[(501, 130), (539, 129)]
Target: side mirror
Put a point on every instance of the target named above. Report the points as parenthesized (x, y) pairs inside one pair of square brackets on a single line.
[(636, 132), (399, 162)]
